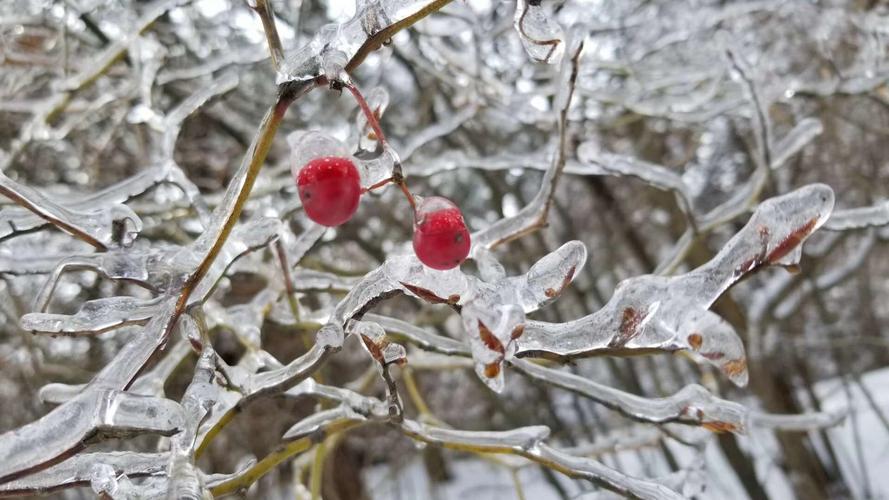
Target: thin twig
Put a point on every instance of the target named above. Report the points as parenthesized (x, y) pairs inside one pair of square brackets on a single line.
[(534, 215), (267, 16), (288, 280), (378, 39)]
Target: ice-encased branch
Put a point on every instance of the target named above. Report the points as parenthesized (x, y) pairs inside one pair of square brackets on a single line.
[(93, 317), (693, 405), (534, 215), (796, 139), (527, 442), (540, 35), (347, 45), (657, 313), (828, 278), (150, 384), (762, 125), (64, 430), (18, 220), (158, 270), (78, 471), (184, 478), (655, 175), (858, 218), (492, 308), (264, 10), (103, 228)]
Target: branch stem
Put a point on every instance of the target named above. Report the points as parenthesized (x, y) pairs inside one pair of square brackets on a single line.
[(379, 38), (267, 16)]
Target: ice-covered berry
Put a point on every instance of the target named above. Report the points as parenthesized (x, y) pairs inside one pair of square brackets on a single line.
[(441, 239), (329, 188)]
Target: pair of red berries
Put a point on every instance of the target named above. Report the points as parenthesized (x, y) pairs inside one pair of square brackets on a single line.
[(330, 187)]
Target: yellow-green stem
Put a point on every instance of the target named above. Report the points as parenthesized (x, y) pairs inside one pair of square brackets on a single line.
[(317, 474), (414, 392), (271, 460), (519, 491), (267, 131), (212, 433)]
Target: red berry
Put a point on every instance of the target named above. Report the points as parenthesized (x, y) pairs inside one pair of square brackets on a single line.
[(329, 188), (441, 240)]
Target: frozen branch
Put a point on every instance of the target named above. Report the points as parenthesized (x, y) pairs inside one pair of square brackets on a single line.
[(124, 123), (655, 313), (267, 16), (17, 220), (94, 317), (65, 430), (534, 215), (541, 36), (344, 47), (693, 405), (858, 218), (799, 137), (103, 228), (526, 442), (79, 470)]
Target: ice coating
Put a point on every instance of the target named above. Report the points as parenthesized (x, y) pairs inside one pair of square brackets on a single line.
[(373, 167), (796, 139), (671, 313), (378, 101), (103, 480), (492, 312), (693, 405), (612, 164), (335, 46), (306, 146), (108, 412), (856, 218), (93, 317), (103, 228), (82, 468), (374, 341), (441, 239), (540, 35), (127, 397), (17, 219), (184, 478)]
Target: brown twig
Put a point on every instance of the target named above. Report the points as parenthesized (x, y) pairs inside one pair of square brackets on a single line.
[(378, 39), (267, 16)]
